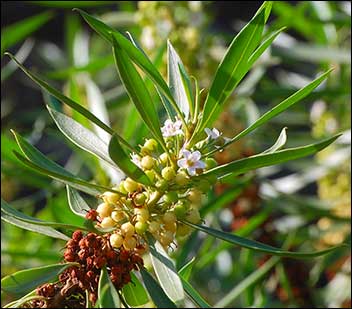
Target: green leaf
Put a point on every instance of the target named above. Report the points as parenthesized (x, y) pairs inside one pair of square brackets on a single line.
[(24, 281), (257, 246), (43, 165), (137, 91), (232, 68), (134, 53), (160, 299), (296, 97), (82, 137), (166, 272), (119, 156), (178, 89), (185, 271), (134, 292), (76, 202), (281, 141), (195, 295), (16, 32), (107, 294), (261, 160), (12, 212)]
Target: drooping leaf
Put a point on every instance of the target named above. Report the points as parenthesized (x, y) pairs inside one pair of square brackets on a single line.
[(166, 272), (233, 66), (185, 271), (119, 156), (176, 84), (280, 142), (76, 202), (39, 162), (24, 281), (134, 292), (16, 32), (137, 91), (107, 294), (17, 215), (160, 299), (267, 159), (82, 137), (257, 246)]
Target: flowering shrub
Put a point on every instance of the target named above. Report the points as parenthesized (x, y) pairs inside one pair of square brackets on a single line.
[(157, 201)]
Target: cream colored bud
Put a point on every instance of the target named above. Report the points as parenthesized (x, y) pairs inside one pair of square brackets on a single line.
[(130, 185), (111, 197), (104, 210), (181, 178), (147, 162), (117, 215), (127, 229), (195, 196), (163, 158), (193, 215), (107, 223), (170, 226), (166, 238), (129, 243), (169, 217), (153, 227), (142, 214), (116, 240)]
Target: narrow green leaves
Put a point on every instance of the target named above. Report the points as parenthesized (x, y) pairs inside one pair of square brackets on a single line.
[(24, 281), (12, 216), (81, 136), (166, 272), (134, 292), (179, 82), (119, 156), (16, 32), (76, 202), (255, 245), (296, 97), (137, 90), (233, 66), (107, 294), (160, 299), (267, 159)]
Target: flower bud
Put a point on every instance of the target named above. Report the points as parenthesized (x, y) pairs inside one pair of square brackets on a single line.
[(130, 185), (150, 144), (107, 223), (147, 162), (116, 240), (141, 227), (171, 197), (180, 210), (127, 229), (183, 230), (104, 210), (129, 243), (142, 214), (193, 215), (195, 196), (153, 227), (168, 173), (204, 185), (121, 187), (161, 184), (117, 215), (140, 199), (169, 217), (181, 178), (163, 158), (111, 197), (166, 238), (170, 226)]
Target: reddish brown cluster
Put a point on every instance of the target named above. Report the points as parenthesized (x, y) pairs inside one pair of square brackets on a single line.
[(92, 252)]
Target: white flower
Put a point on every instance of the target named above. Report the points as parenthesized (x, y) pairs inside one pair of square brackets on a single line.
[(191, 161), (172, 128), (136, 159), (212, 134)]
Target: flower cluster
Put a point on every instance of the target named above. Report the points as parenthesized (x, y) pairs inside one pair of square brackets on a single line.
[(175, 193)]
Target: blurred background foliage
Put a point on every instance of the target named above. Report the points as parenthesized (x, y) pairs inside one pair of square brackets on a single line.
[(286, 204)]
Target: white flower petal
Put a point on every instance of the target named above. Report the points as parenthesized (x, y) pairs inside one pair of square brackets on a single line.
[(182, 163)]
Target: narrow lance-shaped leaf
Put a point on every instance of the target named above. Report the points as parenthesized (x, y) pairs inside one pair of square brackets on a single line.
[(257, 246), (166, 272), (185, 271), (281, 141), (82, 137), (40, 163), (296, 97), (230, 70), (76, 202), (107, 294), (176, 84), (160, 299), (10, 211), (119, 156), (134, 53), (134, 292), (267, 159), (24, 281), (137, 91), (197, 298)]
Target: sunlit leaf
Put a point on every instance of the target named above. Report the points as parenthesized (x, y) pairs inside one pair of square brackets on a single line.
[(280, 142), (134, 292), (107, 294), (76, 202)]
